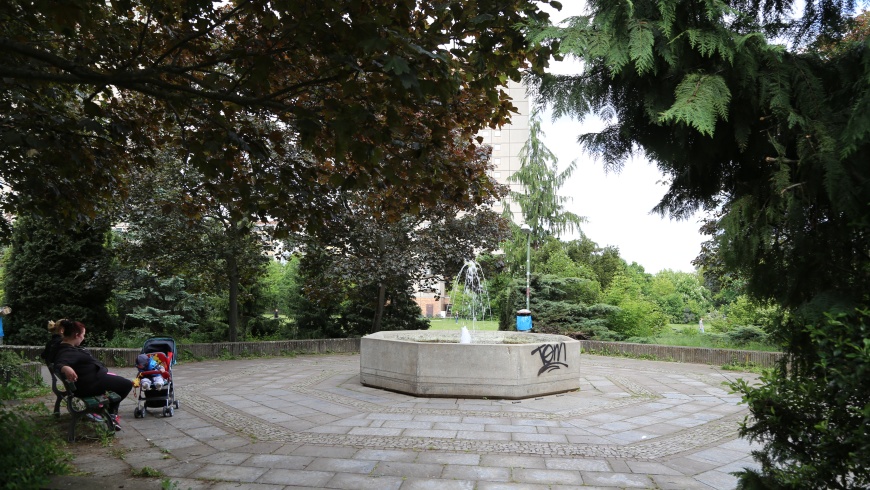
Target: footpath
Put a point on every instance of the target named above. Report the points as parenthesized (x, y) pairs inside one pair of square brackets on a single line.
[(306, 422)]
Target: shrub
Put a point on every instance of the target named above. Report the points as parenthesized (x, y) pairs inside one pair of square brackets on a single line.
[(746, 335), (10, 365), (811, 413), (641, 340), (129, 339), (263, 327), (14, 381), (715, 321), (561, 317), (29, 455), (638, 318)]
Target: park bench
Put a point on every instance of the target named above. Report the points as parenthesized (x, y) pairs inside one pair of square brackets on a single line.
[(80, 406)]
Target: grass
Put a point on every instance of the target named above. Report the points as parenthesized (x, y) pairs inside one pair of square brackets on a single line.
[(451, 324), (146, 472), (711, 342), (687, 335)]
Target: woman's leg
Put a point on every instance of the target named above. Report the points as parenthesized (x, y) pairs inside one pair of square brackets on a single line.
[(120, 385)]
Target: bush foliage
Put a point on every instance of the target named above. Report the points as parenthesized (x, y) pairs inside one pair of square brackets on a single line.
[(29, 455), (812, 414)]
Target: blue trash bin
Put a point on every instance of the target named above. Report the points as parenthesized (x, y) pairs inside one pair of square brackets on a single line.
[(524, 320)]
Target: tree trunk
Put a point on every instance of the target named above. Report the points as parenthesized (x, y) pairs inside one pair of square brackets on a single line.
[(233, 276), (379, 310), (382, 292)]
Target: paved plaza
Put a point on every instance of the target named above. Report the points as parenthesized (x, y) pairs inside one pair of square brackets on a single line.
[(306, 422)]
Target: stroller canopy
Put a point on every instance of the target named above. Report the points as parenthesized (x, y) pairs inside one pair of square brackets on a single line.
[(165, 345)]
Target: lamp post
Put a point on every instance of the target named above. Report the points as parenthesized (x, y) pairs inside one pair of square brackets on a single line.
[(528, 231)]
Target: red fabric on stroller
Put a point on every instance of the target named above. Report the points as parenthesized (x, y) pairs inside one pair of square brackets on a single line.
[(164, 360)]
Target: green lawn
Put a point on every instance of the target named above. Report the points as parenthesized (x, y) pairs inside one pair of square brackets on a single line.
[(450, 324), (688, 335)]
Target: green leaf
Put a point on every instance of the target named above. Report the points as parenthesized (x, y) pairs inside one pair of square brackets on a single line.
[(641, 41), (396, 65), (701, 100)]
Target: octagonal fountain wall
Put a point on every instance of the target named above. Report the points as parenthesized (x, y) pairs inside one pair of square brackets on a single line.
[(509, 365)]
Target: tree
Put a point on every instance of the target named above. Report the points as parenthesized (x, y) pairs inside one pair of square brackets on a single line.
[(776, 137), (321, 299), (606, 261), (813, 420), (395, 310), (541, 206), (637, 314), (361, 250), (680, 295), (282, 283), (177, 228), (379, 262), (150, 306), (54, 272), (87, 89)]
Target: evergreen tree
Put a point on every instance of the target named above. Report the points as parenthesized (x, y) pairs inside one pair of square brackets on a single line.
[(316, 316), (154, 306), (776, 137), (541, 206), (54, 273)]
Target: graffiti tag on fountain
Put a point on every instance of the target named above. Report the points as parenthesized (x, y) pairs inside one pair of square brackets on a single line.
[(552, 356)]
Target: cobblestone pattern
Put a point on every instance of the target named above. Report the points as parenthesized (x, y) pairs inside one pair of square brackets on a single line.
[(305, 387), (652, 450), (659, 447), (632, 387)]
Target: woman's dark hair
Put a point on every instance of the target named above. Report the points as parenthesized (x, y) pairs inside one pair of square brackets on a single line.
[(71, 328)]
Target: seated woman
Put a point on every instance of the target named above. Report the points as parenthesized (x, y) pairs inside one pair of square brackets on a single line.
[(89, 374), (56, 330)]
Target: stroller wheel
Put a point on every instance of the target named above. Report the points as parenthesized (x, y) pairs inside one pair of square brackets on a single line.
[(176, 404), (138, 413)]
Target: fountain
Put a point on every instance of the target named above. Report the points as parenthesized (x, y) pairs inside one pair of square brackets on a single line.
[(457, 364), (469, 298)]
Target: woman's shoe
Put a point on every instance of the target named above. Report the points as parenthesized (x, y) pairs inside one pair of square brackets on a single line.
[(94, 418)]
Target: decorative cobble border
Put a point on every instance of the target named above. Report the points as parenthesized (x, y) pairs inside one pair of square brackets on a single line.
[(652, 449)]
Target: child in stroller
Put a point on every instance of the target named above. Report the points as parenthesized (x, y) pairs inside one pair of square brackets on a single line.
[(150, 363), (155, 372)]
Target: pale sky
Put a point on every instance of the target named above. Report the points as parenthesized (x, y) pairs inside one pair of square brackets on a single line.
[(617, 206)]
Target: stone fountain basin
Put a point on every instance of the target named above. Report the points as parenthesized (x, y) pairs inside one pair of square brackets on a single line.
[(508, 365)]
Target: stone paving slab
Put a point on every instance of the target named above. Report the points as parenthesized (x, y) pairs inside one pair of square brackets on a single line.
[(307, 422)]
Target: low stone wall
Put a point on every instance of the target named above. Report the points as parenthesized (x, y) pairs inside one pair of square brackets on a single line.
[(694, 355), (127, 357), (271, 348)]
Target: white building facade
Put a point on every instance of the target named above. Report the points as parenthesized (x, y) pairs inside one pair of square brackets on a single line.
[(506, 143)]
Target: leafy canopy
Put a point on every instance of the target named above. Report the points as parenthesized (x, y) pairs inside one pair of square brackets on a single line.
[(774, 136), (762, 118), (89, 89)]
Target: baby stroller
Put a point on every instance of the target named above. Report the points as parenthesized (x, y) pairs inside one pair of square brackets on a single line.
[(161, 349)]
